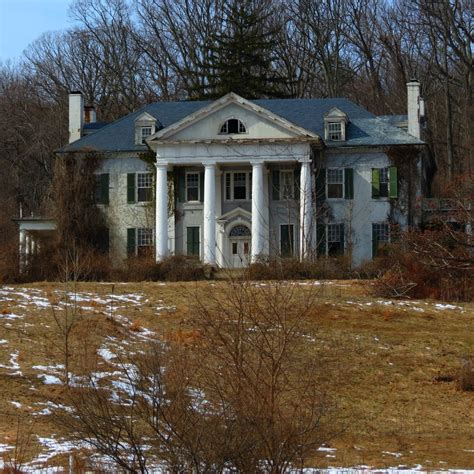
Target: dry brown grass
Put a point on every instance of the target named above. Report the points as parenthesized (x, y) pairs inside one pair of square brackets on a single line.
[(390, 395)]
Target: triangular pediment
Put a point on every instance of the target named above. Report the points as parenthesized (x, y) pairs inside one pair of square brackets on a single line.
[(235, 213), (335, 114), (206, 124)]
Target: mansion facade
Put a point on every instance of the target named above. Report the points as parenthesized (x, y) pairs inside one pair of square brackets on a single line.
[(234, 181)]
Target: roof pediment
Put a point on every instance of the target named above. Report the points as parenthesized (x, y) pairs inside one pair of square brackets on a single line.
[(206, 124), (335, 114)]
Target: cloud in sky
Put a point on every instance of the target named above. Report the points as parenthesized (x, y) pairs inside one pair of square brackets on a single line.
[(22, 21)]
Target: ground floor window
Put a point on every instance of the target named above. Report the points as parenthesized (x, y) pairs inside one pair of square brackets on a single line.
[(140, 241), (193, 243), (380, 236), (335, 240), (287, 241)]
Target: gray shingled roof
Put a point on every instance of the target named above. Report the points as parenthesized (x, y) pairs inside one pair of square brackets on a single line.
[(364, 128)]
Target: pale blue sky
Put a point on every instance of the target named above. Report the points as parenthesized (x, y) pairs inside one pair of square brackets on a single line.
[(22, 21)]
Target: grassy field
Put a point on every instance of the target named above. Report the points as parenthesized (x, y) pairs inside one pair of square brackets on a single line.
[(399, 411)]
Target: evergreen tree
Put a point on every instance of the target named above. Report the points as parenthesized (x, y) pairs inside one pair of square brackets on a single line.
[(242, 54)]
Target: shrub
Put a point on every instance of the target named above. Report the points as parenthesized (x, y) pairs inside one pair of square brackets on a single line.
[(293, 269), (466, 376), (173, 268)]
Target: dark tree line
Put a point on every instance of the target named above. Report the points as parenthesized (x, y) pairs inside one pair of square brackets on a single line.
[(124, 53)]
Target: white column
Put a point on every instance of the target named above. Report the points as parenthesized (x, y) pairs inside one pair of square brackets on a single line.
[(22, 249), (209, 237), (161, 221), (259, 213), (306, 210)]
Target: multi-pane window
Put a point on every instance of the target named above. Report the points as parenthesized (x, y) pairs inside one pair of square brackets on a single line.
[(144, 187), (192, 186), (334, 130), (380, 236), (287, 183), (335, 182), (238, 185), (287, 240), (335, 239), (233, 126), (144, 241), (192, 241), (145, 133), (384, 182)]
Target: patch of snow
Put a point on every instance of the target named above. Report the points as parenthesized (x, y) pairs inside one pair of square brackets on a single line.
[(106, 354), (326, 449), (447, 306), (3, 341), (50, 379), (397, 455), (13, 364), (16, 404)]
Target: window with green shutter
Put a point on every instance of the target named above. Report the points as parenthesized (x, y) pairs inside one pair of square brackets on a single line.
[(192, 241), (384, 182), (375, 183)]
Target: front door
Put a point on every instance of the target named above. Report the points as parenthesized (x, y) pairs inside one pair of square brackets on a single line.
[(240, 250), (239, 244)]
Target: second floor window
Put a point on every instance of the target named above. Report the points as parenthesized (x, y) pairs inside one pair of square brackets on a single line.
[(144, 187), (335, 183), (287, 183), (192, 187), (384, 182), (238, 185)]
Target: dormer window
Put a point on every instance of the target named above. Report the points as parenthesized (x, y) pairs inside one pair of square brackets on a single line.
[(335, 122), (146, 132), (145, 126), (232, 126), (335, 131)]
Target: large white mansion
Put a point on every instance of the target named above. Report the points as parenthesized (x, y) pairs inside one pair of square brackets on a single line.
[(235, 181)]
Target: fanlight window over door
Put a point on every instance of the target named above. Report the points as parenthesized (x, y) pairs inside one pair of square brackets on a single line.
[(232, 126), (240, 231)]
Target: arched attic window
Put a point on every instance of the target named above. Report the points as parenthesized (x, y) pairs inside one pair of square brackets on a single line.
[(232, 125)]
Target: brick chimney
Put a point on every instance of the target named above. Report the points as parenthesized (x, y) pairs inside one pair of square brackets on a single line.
[(89, 114), (415, 108), (76, 115)]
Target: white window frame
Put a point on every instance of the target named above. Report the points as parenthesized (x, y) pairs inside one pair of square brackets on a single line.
[(198, 185), (290, 224), (343, 236), (388, 234), (137, 182), (342, 170), (224, 127), (386, 171), (335, 131), (248, 185), (143, 136), (292, 185)]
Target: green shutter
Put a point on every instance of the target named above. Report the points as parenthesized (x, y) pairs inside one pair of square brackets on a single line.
[(131, 188), (181, 184), (374, 242), (321, 239), (192, 242), (276, 185), (320, 185), (131, 239), (349, 183), (392, 175), (104, 188), (343, 249), (201, 186), (297, 185), (375, 182)]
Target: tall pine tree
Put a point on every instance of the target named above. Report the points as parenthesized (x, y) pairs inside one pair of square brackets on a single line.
[(242, 54)]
